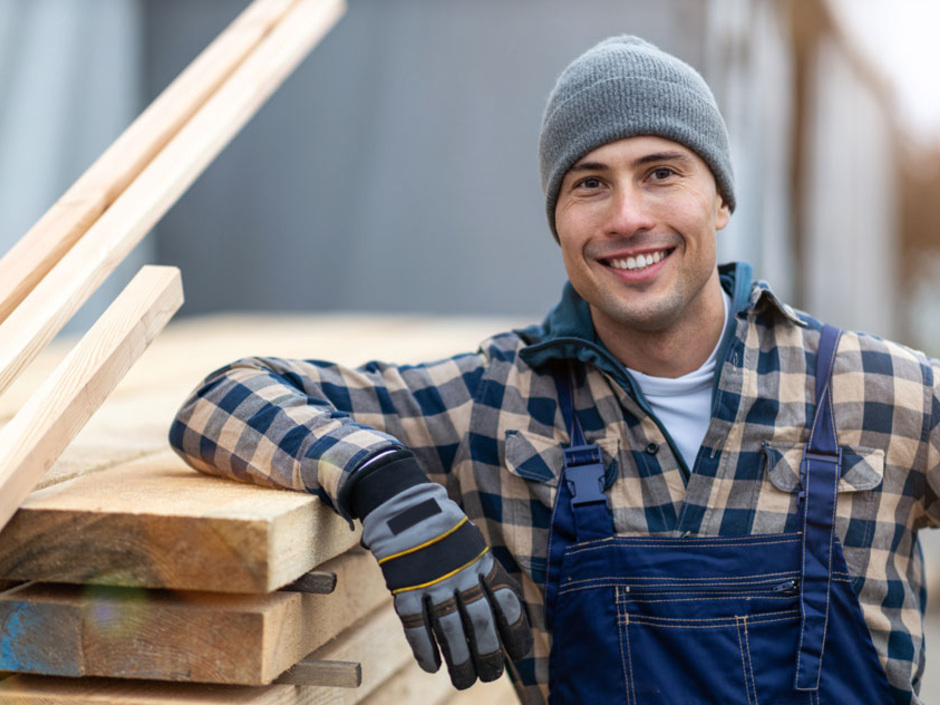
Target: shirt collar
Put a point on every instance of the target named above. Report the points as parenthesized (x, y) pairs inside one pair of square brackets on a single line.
[(568, 331)]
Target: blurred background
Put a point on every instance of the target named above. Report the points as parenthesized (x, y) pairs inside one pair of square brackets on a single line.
[(396, 170)]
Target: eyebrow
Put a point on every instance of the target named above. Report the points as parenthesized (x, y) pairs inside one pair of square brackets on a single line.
[(639, 161)]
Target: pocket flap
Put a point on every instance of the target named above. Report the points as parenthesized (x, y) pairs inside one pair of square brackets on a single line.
[(862, 468), (533, 457), (540, 459)]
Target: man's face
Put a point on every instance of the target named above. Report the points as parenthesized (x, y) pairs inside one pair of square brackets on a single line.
[(636, 220)]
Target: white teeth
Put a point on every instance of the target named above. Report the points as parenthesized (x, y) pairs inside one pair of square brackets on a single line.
[(638, 262)]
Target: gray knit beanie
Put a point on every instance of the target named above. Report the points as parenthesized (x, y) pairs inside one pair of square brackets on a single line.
[(625, 87)]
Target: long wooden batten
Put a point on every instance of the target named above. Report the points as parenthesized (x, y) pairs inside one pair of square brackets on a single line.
[(41, 315), (31, 258), (41, 430)]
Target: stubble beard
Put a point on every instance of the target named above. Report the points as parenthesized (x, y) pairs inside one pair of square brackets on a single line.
[(652, 318)]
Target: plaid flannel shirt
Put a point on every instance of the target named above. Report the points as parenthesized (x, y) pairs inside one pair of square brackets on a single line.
[(487, 426)]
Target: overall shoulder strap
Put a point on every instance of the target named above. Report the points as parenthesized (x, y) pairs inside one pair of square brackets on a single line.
[(819, 475)]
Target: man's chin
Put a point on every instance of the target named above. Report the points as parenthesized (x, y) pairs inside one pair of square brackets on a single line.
[(656, 318)]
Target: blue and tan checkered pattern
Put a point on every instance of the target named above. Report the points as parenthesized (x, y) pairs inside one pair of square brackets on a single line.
[(487, 426)]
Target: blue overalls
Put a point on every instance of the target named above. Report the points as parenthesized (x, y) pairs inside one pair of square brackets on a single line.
[(713, 619)]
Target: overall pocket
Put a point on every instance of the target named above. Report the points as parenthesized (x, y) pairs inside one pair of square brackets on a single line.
[(587, 664), (716, 641)]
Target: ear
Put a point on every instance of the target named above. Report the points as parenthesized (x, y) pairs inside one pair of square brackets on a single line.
[(722, 213)]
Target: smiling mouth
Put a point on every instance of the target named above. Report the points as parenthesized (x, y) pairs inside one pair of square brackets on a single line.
[(638, 262)]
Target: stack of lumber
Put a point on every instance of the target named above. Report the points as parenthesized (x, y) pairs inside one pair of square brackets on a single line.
[(125, 576), (141, 569)]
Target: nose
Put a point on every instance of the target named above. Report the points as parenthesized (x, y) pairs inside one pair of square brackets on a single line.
[(630, 212)]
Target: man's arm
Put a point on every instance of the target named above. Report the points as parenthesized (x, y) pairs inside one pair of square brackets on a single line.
[(365, 440), (306, 425)]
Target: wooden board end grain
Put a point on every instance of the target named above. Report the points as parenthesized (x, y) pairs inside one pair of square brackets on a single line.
[(157, 523), (67, 630)]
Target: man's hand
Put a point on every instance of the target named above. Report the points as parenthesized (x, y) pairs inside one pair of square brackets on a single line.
[(449, 590)]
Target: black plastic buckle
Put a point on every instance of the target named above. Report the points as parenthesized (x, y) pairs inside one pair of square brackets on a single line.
[(832, 459), (584, 473)]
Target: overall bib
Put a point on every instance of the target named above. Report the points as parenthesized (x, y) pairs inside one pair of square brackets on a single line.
[(768, 619)]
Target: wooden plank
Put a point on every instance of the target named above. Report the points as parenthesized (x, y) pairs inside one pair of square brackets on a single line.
[(53, 416), (66, 630), (387, 654), (32, 324), (157, 523), (60, 227)]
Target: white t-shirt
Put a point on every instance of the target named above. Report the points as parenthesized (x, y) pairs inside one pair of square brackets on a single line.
[(684, 404)]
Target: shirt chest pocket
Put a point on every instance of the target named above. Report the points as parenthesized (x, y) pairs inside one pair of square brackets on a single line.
[(859, 496), (538, 460), (862, 468), (533, 465)]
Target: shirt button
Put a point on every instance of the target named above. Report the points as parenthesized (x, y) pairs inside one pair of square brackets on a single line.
[(652, 448)]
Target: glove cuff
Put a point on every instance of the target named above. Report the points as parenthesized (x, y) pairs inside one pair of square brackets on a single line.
[(391, 474)]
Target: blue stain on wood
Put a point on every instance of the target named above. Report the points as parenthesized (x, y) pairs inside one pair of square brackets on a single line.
[(12, 633), (25, 645)]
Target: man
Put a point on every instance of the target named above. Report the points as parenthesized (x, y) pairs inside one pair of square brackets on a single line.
[(704, 495)]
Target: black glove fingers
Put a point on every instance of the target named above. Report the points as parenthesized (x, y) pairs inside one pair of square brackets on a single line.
[(503, 594), (480, 627), (448, 629)]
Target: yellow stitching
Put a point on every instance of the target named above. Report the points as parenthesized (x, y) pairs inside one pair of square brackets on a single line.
[(711, 541), (635, 597), (749, 597), (425, 544), (806, 495), (587, 585), (747, 690), (761, 617), (750, 661), (625, 635), (727, 623), (443, 577), (832, 529), (716, 580)]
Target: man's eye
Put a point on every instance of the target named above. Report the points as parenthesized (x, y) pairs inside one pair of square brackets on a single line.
[(590, 182), (662, 173)]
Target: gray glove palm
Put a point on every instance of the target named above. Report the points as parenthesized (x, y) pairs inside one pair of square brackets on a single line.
[(449, 590)]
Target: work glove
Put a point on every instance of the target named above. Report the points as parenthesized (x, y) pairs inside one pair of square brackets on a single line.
[(449, 590)]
